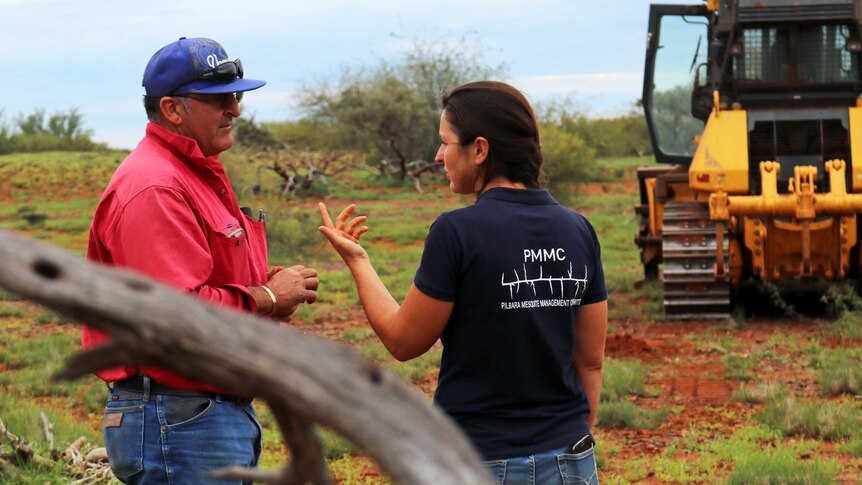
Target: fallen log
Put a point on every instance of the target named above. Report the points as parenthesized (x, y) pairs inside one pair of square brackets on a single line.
[(304, 379)]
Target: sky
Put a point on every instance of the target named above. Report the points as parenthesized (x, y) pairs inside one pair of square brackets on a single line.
[(91, 54)]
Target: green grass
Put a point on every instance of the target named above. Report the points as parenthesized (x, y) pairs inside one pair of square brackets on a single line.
[(625, 414), (759, 393), (334, 445), (622, 378), (756, 455), (780, 467), (57, 174), (738, 366), (412, 370), (848, 325), (8, 310), (772, 452), (71, 407), (840, 372), (830, 421), (853, 447)]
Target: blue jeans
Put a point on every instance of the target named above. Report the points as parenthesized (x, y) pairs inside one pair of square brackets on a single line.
[(167, 439), (555, 467)]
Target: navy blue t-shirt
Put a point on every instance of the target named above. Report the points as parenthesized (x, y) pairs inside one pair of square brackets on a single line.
[(517, 266)]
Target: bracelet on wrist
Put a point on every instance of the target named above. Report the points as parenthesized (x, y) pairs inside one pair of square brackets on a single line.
[(271, 297)]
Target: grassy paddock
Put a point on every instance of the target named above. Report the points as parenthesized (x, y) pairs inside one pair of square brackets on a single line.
[(52, 196)]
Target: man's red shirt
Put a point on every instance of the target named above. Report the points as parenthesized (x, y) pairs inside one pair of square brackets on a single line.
[(170, 213)]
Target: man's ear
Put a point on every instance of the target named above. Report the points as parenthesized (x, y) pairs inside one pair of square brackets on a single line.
[(480, 150), (170, 107)]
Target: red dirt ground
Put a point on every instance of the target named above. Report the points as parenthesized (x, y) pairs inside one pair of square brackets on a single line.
[(687, 374)]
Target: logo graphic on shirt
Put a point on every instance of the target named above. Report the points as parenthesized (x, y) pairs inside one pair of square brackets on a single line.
[(536, 279)]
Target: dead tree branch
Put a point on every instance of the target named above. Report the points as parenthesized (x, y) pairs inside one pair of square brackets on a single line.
[(304, 379), (300, 171), (48, 428)]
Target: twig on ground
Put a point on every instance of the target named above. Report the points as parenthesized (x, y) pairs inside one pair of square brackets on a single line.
[(49, 429)]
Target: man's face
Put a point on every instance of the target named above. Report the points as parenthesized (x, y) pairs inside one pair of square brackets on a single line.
[(207, 118)]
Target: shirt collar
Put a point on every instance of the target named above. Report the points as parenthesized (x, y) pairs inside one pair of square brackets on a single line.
[(519, 196), (187, 147)]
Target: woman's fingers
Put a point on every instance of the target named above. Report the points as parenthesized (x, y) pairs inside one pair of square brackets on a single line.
[(324, 215), (345, 214), (359, 232), (350, 227), (335, 235)]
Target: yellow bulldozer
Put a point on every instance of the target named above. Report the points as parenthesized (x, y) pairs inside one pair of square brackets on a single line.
[(754, 112)]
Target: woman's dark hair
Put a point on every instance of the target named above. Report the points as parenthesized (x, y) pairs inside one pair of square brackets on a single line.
[(502, 115)]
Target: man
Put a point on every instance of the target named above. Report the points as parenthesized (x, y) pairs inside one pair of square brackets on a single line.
[(170, 212)]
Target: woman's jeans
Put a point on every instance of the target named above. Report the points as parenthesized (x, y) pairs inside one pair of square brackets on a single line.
[(168, 439), (555, 467)]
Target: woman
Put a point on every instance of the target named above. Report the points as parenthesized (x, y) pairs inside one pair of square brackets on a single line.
[(514, 287)]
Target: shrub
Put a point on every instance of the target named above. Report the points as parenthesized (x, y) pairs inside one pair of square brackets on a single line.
[(291, 235), (624, 414), (738, 366), (848, 325), (826, 420), (841, 372), (853, 446), (32, 216), (566, 156), (840, 299), (621, 379), (759, 393)]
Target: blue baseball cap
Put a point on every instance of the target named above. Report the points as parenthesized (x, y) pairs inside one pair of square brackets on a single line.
[(197, 65)]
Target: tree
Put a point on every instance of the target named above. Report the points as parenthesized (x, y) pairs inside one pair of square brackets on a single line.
[(33, 133), (392, 109), (68, 125), (33, 123)]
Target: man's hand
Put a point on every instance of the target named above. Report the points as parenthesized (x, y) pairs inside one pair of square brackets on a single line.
[(291, 287)]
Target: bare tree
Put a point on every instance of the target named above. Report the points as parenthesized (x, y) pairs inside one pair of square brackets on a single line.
[(304, 379)]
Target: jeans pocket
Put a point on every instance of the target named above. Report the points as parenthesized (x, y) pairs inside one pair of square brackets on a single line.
[(258, 446), (579, 469), (124, 439), (181, 410), (497, 469)]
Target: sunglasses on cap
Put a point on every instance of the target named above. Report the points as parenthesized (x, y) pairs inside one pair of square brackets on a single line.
[(222, 101), (225, 72)]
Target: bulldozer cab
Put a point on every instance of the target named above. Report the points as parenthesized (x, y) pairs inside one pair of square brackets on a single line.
[(675, 77)]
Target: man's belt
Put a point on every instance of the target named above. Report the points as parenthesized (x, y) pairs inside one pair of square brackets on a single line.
[(136, 384)]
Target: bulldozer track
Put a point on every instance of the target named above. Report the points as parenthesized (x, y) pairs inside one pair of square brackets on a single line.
[(689, 250)]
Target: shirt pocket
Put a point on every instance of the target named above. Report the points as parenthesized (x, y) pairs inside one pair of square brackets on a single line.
[(258, 246), (229, 251)]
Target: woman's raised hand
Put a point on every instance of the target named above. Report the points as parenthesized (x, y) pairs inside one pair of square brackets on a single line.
[(343, 234)]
